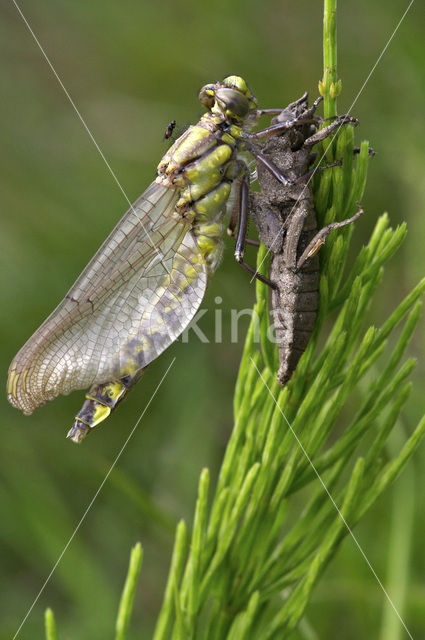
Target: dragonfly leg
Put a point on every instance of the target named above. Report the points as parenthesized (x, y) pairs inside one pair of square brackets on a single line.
[(243, 218), (253, 243), (241, 239), (308, 117), (276, 172), (319, 239), (324, 133), (280, 127), (249, 241), (265, 112), (268, 164), (234, 217), (285, 119), (257, 275), (290, 107), (323, 167), (293, 105)]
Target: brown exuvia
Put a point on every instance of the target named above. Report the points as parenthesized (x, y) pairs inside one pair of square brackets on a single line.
[(287, 224)]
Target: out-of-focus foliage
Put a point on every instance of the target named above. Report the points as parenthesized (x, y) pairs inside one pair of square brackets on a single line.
[(131, 68)]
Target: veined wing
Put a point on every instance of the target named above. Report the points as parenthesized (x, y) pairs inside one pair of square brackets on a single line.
[(134, 298)]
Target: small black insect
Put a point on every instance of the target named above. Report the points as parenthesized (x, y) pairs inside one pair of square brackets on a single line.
[(169, 130), (287, 224)]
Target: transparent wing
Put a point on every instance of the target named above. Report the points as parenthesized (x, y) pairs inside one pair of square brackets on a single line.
[(134, 298)]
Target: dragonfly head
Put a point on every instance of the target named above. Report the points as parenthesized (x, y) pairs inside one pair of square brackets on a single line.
[(231, 98)]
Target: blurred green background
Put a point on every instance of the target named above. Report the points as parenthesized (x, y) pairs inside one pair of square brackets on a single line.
[(131, 68)]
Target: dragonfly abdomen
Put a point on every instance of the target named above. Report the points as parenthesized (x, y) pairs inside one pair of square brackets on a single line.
[(100, 401)]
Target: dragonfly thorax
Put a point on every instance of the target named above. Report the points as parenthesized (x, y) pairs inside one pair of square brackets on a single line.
[(202, 166)]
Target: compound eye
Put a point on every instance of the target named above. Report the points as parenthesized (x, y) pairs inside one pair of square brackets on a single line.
[(207, 96), (233, 102)]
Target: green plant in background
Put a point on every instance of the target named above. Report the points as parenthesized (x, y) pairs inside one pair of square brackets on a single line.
[(127, 597), (304, 463)]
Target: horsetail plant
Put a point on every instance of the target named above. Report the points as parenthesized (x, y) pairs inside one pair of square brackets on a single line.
[(256, 567)]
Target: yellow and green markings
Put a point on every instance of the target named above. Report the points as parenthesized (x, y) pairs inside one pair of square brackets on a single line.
[(148, 279)]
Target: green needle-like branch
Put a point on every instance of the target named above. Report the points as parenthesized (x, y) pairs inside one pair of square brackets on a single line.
[(329, 87), (50, 625), (127, 597)]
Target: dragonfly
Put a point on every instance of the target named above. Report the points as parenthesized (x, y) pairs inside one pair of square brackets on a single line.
[(146, 282)]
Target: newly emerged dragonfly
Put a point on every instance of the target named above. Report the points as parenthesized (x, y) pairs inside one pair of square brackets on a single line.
[(146, 282)]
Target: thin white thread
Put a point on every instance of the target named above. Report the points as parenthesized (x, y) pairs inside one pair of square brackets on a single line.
[(111, 171), (334, 503), (336, 132), (83, 517)]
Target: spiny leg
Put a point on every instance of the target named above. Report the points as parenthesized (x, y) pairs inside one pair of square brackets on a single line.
[(320, 167), (356, 150), (234, 217), (280, 127), (257, 275), (285, 119), (266, 112), (276, 172), (253, 243), (289, 110), (241, 239), (243, 219), (319, 239), (268, 164), (329, 129), (307, 117), (290, 107), (311, 111)]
